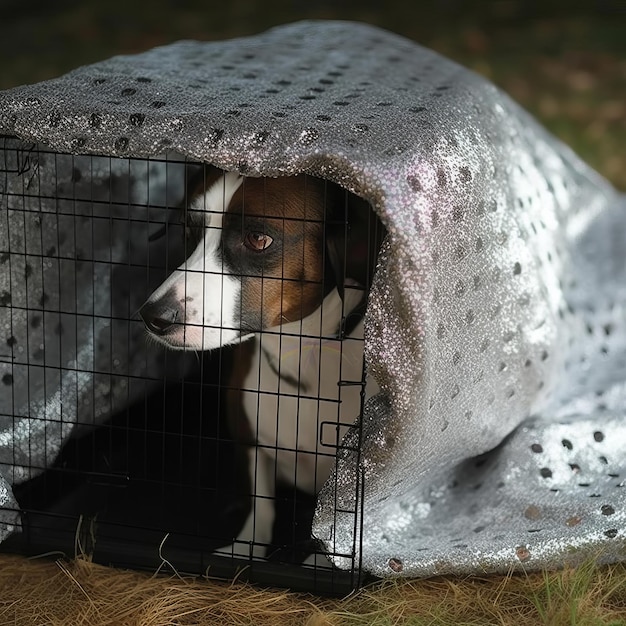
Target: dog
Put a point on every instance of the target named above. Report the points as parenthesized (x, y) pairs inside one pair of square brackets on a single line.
[(279, 267)]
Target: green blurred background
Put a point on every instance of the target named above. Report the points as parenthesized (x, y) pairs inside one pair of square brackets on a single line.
[(564, 61)]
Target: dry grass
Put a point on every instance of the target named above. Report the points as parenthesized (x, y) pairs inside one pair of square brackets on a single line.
[(78, 592)]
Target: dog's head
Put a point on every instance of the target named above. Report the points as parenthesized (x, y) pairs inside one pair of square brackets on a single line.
[(264, 252)]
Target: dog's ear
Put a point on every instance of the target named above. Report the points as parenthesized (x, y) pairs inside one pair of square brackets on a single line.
[(353, 238)]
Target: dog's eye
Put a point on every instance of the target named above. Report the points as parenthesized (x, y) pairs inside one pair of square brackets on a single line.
[(257, 241)]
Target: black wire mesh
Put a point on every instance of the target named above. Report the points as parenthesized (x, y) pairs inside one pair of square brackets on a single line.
[(141, 466)]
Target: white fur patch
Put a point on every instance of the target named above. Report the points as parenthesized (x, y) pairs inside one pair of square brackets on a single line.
[(200, 284), (301, 425), (216, 199)]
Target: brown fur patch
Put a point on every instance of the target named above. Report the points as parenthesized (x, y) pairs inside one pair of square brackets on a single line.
[(290, 285)]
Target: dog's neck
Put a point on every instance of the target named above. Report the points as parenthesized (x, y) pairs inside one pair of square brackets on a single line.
[(286, 346)]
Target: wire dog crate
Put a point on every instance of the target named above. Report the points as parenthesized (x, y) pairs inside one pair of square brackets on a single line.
[(133, 459)]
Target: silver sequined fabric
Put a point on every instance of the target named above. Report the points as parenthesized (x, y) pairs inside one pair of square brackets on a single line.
[(496, 325)]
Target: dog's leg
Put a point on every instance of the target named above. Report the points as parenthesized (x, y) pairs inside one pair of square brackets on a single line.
[(256, 533)]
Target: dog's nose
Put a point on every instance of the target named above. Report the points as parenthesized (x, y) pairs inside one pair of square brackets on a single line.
[(158, 318)]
